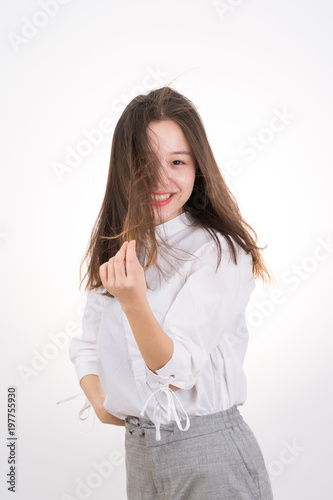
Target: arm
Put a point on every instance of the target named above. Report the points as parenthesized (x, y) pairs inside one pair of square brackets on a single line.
[(155, 345), (196, 322), (92, 388), (83, 353)]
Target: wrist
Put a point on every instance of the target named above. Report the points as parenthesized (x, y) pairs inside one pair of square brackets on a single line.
[(137, 307)]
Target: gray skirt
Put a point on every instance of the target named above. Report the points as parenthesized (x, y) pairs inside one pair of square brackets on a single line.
[(217, 458)]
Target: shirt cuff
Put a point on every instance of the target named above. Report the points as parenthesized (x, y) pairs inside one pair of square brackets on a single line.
[(85, 367), (173, 371)]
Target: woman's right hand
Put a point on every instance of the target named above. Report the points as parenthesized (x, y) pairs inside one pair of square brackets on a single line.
[(92, 388), (104, 416)]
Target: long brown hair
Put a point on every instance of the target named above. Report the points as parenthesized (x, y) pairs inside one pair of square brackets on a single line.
[(127, 213)]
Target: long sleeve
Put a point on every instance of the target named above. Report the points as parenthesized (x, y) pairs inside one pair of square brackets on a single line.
[(202, 312), (83, 349)]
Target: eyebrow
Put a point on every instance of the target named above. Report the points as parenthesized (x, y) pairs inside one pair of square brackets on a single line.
[(180, 153)]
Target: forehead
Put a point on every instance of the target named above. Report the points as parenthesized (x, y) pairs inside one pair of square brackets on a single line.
[(167, 136)]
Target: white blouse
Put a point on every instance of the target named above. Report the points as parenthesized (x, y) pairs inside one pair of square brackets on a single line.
[(203, 311)]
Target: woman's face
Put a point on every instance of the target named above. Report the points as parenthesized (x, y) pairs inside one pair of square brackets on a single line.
[(177, 168)]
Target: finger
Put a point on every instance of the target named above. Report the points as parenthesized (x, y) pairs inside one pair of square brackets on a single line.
[(119, 264), (110, 271), (103, 273), (131, 259)]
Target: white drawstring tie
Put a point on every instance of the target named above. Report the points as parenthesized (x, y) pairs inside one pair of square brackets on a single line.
[(171, 406), (86, 406)]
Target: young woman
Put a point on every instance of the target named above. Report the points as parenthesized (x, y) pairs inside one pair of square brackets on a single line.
[(171, 267)]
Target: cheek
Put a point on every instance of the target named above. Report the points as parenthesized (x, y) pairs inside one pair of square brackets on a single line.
[(186, 179)]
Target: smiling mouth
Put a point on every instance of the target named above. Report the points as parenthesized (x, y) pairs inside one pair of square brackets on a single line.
[(161, 197)]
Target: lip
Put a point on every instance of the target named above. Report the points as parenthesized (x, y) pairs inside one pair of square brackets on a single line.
[(161, 203)]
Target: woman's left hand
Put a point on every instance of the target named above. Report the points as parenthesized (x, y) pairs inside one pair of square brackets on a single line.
[(124, 277)]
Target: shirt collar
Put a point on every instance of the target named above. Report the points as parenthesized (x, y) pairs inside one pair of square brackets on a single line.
[(174, 225)]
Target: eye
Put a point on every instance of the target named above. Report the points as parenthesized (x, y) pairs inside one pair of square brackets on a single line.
[(179, 161)]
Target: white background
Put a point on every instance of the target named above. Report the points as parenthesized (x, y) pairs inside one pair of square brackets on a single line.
[(238, 62)]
